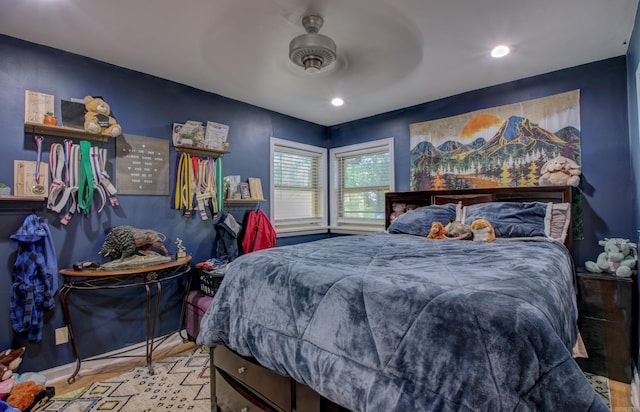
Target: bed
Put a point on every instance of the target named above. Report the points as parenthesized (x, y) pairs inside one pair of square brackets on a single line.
[(393, 321)]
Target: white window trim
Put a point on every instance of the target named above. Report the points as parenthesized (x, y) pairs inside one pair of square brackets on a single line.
[(365, 147), (323, 227)]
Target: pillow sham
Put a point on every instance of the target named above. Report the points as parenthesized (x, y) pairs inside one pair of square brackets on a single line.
[(418, 221), (558, 220), (510, 219)]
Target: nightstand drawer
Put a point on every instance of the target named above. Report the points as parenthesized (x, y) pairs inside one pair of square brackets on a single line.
[(271, 385), (605, 297)]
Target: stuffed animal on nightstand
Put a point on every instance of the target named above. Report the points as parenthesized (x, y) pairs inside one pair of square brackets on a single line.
[(619, 257)]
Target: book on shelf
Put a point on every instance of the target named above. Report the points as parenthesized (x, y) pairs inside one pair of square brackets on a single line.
[(36, 105), (255, 188)]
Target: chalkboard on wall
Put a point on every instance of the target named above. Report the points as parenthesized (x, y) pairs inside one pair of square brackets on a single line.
[(142, 165)]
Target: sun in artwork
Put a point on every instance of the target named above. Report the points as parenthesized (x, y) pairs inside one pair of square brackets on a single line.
[(479, 125)]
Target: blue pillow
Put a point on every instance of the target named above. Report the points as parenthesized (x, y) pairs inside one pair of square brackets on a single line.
[(418, 222), (510, 219)]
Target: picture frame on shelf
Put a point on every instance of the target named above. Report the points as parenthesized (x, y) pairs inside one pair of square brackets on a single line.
[(244, 191)]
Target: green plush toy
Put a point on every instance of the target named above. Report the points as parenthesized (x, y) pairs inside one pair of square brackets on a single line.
[(619, 257)]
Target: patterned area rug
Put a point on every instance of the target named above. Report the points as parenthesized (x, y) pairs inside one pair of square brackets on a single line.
[(180, 382), (601, 385)]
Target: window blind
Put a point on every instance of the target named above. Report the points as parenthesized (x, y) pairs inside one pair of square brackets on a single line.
[(296, 187), (363, 177)]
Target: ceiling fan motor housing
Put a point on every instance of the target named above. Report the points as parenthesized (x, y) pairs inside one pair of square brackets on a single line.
[(312, 50)]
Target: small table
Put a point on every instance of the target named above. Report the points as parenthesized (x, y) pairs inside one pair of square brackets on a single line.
[(95, 279)]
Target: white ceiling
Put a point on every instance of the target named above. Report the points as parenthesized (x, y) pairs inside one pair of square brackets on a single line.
[(391, 53)]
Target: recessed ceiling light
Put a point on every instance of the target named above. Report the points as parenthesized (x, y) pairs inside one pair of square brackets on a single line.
[(500, 51), (337, 101)]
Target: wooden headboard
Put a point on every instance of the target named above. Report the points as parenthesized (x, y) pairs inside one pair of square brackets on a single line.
[(546, 194)]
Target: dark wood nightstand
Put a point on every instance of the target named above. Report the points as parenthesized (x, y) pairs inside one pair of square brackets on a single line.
[(607, 308)]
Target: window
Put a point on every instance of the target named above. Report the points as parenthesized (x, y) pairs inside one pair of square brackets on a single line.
[(298, 188), (361, 174)]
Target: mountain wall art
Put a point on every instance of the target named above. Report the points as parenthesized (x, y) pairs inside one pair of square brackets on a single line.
[(504, 146)]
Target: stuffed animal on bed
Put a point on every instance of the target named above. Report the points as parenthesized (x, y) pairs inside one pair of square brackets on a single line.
[(482, 230), (458, 231), (437, 231)]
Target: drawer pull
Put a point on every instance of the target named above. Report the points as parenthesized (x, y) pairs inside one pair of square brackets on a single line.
[(242, 369)]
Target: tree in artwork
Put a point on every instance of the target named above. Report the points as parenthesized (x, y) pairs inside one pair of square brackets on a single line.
[(438, 182)]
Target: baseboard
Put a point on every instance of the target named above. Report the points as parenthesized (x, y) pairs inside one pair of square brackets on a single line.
[(135, 355), (635, 390)]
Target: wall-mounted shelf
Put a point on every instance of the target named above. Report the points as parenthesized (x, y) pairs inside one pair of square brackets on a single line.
[(243, 201), (201, 152), (22, 199), (62, 131)]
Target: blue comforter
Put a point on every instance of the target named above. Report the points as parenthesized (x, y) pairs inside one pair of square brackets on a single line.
[(387, 322)]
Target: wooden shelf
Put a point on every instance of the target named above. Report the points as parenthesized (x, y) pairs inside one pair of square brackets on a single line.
[(201, 152), (243, 201), (22, 198), (62, 131)]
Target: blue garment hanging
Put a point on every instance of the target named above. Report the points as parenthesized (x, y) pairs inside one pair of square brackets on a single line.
[(35, 277)]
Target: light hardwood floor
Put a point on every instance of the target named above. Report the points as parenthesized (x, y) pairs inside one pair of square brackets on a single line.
[(620, 392), (89, 374)]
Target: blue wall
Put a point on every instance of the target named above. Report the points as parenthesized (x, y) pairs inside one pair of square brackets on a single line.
[(604, 139), (633, 59), (148, 106), (145, 106)]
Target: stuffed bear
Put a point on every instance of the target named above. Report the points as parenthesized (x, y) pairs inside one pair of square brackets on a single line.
[(437, 231), (482, 231), (619, 257), (560, 171), (98, 119)]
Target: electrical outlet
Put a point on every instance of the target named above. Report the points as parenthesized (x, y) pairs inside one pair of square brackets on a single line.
[(62, 335)]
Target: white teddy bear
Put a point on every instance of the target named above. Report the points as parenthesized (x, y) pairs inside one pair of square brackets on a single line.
[(560, 171)]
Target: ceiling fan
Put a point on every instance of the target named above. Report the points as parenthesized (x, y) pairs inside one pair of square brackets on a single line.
[(312, 51)]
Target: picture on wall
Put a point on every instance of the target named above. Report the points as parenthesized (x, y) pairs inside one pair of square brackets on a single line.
[(504, 146)]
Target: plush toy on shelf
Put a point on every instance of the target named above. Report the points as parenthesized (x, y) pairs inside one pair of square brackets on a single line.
[(98, 119), (619, 257)]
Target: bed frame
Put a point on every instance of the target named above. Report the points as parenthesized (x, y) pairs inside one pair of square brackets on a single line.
[(267, 390), (546, 194)]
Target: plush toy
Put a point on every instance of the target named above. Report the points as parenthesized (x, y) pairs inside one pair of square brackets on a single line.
[(482, 231), (98, 119), (398, 209), (437, 231), (29, 396), (10, 359), (5, 387), (560, 171), (459, 231), (619, 257)]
